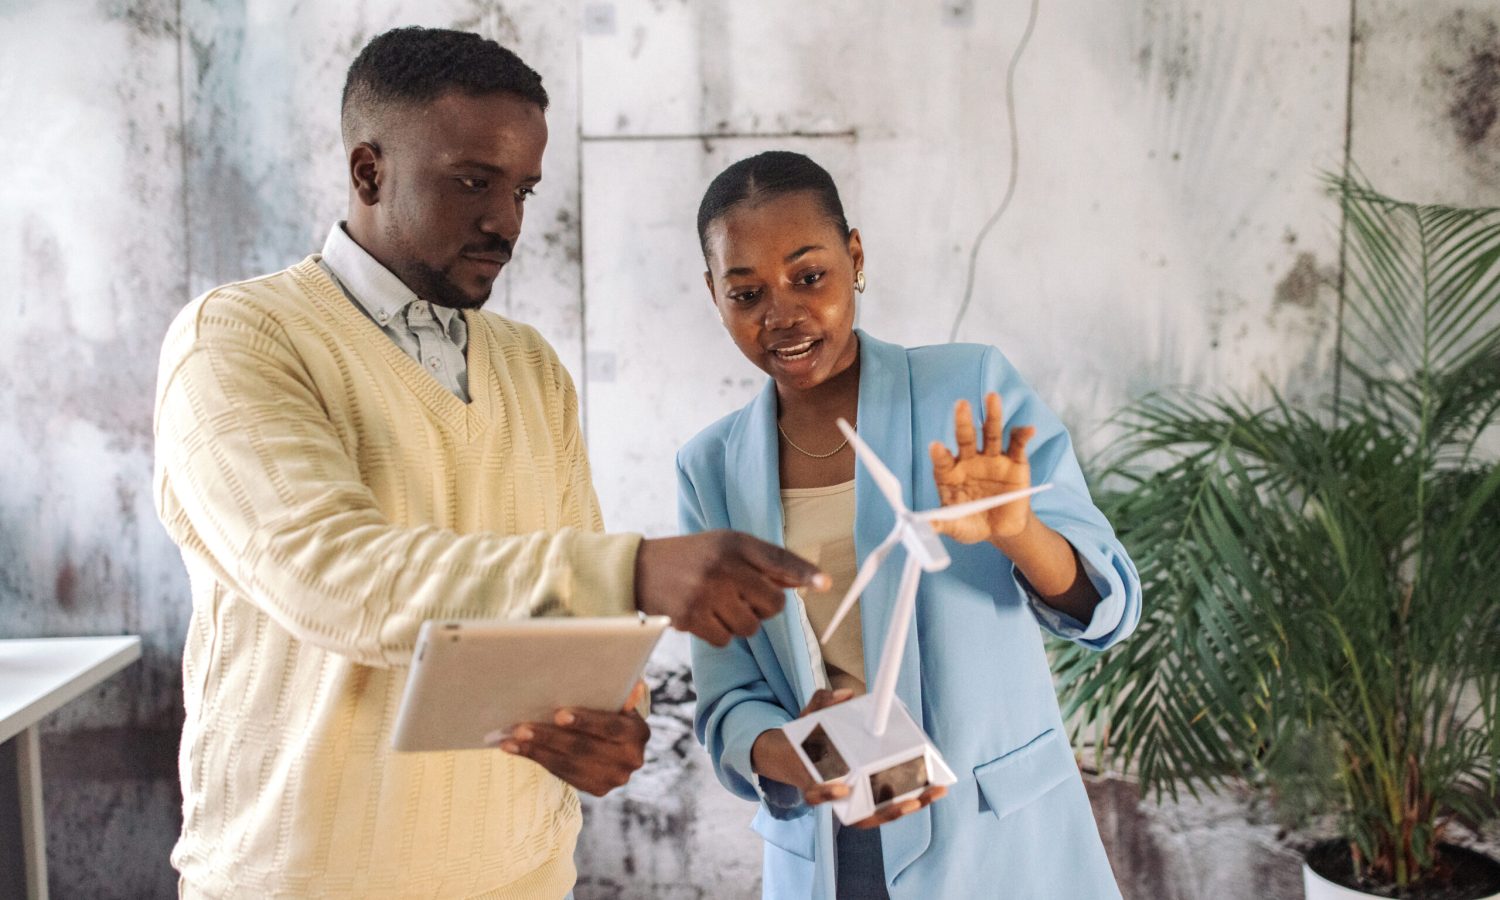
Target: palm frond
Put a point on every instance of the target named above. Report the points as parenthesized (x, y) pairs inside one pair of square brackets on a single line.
[(1320, 585), (1424, 288)]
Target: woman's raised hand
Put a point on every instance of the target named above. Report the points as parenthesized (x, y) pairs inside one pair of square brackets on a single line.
[(977, 473)]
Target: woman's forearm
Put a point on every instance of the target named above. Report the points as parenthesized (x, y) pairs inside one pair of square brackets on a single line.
[(1052, 567), (772, 756)]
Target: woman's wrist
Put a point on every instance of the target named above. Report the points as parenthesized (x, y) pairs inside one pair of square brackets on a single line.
[(772, 756), (1052, 567), (1042, 555), (767, 758), (1020, 545)]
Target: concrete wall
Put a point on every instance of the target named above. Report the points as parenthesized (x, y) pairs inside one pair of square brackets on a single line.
[(1168, 227)]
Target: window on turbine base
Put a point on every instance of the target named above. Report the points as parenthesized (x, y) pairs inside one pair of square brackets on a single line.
[(902, 778), (824, 755)]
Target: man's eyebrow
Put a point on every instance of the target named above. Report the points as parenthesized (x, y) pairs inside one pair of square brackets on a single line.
[(492, 169), (481, 166)]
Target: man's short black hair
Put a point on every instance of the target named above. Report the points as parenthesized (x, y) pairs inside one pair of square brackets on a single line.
[(412, 66)]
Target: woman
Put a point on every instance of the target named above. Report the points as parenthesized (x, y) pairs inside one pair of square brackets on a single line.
[(784, 271)]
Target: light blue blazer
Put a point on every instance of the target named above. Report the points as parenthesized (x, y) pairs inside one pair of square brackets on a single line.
[(1017, 823)]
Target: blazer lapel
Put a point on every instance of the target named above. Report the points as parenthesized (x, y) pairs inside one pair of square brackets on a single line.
[(886, 423), (753, 491)]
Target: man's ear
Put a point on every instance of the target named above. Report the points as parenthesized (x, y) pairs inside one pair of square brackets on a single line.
[(365, 172)]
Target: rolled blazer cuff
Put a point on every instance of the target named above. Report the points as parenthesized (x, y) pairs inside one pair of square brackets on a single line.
[(782, 801), (1110, 622), (746, 722)]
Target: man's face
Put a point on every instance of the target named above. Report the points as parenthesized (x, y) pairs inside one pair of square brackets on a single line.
[(452, 187)]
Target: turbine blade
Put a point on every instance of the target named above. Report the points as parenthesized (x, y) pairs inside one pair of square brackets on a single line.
[(889, 485), (861, 581), (959, 510)]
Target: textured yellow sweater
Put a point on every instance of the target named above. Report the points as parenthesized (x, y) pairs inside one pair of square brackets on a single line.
[(328, 497)]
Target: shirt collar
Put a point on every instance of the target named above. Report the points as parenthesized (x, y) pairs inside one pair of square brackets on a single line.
[(372, 286)]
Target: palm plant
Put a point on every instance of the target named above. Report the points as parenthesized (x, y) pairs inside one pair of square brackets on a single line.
[(1323, 586)]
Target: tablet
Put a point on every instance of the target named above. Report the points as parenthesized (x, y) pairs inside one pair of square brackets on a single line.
[(472, 681)]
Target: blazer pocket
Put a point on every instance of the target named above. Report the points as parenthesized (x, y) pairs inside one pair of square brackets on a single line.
[(796, 836), (1026, 773)]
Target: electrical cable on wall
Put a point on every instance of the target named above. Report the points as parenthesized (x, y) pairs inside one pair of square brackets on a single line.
[(1015, 163)]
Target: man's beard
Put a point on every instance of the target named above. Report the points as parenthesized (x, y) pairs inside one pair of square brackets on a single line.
[(436, 286)]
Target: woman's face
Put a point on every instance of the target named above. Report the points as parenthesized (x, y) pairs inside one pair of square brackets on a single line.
[(782, 276)]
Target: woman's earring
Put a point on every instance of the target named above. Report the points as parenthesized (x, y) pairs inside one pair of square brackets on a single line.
[(859, 281)]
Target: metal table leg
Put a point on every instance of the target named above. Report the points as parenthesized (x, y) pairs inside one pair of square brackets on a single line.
[(33, 829)]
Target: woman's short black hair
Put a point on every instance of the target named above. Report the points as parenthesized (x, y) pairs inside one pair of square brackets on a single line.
[(762, 177), (413, 65)]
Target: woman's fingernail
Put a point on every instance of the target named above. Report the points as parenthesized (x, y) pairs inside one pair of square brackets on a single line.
[(509, 746), (565, 718), (523, 733)]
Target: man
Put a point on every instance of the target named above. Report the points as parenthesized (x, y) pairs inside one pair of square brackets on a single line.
[(349, 447)]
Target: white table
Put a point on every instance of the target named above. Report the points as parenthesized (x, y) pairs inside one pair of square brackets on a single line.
[(37, 676)]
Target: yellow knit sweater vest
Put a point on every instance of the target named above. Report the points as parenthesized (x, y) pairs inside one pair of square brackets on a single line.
[(329, 496)]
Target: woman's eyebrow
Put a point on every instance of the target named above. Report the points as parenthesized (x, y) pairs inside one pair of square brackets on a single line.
[(790, 258)]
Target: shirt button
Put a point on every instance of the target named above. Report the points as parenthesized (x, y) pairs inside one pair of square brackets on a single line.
[(383, 317), (434, 362)]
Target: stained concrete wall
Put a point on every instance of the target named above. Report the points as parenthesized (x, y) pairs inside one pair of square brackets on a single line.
[(1168, 227)]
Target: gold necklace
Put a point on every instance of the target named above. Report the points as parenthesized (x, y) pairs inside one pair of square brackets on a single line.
[(806, 452)]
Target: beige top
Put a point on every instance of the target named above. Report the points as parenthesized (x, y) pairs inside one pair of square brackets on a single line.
[(329, 496), (819, 527)]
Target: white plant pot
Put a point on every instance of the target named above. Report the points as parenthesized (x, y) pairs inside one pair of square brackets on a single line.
[(1316, 887)]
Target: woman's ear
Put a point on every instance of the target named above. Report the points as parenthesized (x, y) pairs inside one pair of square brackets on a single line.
[(708, 282), (856, 250)]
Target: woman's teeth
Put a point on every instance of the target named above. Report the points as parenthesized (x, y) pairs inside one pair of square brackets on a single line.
[(799, 351)]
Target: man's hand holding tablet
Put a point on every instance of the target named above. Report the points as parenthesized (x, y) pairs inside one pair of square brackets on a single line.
[(715, 585), (593, 750)]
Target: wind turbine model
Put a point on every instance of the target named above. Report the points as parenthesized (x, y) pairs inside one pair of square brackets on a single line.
[(855, 741)]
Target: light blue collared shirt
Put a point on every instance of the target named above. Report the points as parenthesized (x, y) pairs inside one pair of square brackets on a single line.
[(435, 336)]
